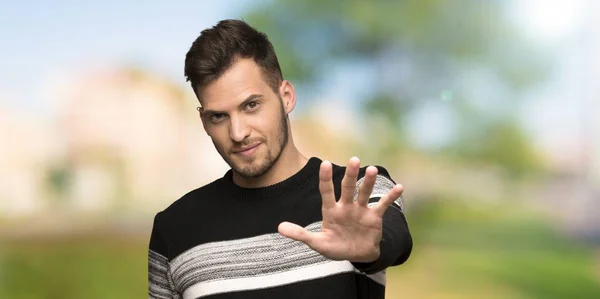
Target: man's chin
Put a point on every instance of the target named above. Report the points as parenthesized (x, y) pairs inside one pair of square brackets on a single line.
[(249, 174), (251, 170)]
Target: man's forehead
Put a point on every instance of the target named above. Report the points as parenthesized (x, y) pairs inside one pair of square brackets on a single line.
[(236, 84)]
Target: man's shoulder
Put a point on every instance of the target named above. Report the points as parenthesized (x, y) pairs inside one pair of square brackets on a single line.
[(190, 199)]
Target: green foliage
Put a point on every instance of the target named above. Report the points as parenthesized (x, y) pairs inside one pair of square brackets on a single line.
[(436, 36), (502, 144), (58, 181)]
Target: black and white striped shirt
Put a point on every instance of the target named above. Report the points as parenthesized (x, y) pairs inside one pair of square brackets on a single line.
[(221, 241)]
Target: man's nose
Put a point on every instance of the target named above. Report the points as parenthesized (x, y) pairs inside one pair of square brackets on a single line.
[(239, 129)]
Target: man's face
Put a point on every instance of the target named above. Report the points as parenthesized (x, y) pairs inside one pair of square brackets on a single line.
[(245, 119)]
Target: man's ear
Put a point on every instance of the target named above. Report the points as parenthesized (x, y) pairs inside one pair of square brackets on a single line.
[(288, 96)]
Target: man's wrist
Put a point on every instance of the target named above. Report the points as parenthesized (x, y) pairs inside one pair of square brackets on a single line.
[(361, 263)]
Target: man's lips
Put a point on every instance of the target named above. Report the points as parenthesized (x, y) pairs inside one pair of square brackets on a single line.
[(237, 151)]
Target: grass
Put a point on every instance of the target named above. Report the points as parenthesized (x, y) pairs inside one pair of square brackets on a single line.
[(458, 253), (91, 267), (494, 254)]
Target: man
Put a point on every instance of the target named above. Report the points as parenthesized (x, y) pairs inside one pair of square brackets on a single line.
[(277, 224)]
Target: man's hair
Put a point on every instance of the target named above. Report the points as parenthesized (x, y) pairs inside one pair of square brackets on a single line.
[(219, 47)]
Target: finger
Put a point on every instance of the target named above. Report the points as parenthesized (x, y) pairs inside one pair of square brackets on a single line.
[(366, 187), (388, 199), (326, 184), (296, 232), (349, 180)]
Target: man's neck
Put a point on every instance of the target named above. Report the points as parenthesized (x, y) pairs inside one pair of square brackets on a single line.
[(289, 163)]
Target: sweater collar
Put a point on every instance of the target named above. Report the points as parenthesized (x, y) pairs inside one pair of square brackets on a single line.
[(299, 178)]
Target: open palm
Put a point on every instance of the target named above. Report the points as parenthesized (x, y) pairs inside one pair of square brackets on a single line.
[(351, 230)]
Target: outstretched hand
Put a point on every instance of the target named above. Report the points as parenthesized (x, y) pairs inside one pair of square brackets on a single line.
[(351, 230)]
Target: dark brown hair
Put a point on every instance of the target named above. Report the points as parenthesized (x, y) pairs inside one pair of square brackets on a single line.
[(217, 49)]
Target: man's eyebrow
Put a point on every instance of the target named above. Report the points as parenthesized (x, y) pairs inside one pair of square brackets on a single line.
[(212, 112), (249, 99)]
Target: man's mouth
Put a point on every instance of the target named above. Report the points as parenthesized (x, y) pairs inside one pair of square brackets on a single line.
[(248, 150)]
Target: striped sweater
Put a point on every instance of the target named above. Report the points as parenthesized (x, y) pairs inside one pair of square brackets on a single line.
[(221, 241)]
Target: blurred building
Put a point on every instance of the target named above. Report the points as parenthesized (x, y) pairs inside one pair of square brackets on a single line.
[(131, 141), (24, 152)]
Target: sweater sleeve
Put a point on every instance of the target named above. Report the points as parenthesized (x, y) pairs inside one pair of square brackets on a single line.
[(160, 284), (396, 243)]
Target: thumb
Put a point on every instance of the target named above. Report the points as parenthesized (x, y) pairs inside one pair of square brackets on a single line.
[(295, 232)]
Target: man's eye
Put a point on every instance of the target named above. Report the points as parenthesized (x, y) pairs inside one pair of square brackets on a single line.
[(216, 117), (252, 105)]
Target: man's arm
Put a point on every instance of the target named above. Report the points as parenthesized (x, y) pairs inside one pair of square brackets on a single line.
[(160, 284), (396, 243)]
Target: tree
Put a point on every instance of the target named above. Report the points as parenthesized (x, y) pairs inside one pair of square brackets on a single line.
[(465, 58)]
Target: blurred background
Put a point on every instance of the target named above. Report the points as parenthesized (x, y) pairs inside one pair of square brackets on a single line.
[(486, 111)]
